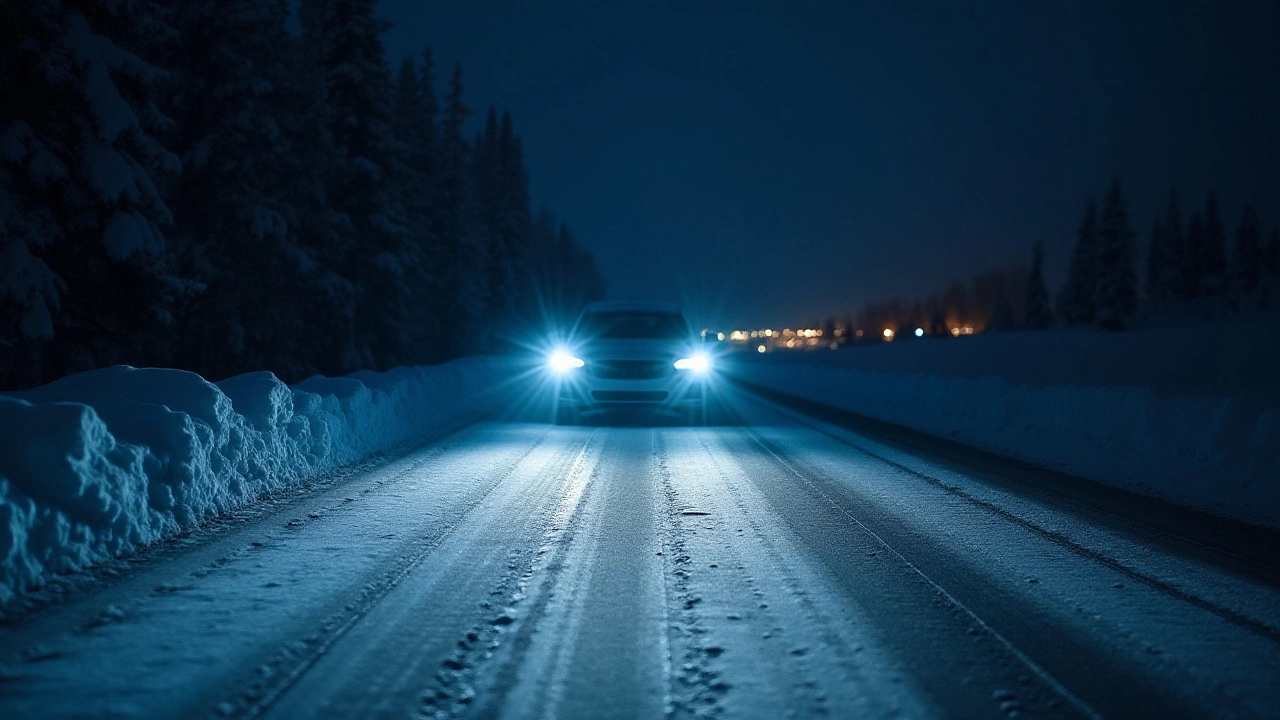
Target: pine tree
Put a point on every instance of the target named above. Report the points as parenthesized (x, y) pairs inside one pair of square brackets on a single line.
[(1213, 252), (81, 217), (1246, 260), (415, 126), (1172, 279), (1158, 259), (1192, 271), (369, 187), (514, 224), (237, 226), (1076, 301), (1117, 291), (1039, 315), (579, 270), (1271, 257), (461, 257), (486, 179)]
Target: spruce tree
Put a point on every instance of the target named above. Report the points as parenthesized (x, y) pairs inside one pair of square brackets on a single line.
[(415, 126), (368, 188), (515, 222), (1192, 272), (1246, 258), (1158, 259), (1117, 291), (1212, 257), (486, 178), (460, 258), (582, 279), (1271, 256), (81, 215), (230, 95), (1039, 316), (1076, 301), (1172, 279)]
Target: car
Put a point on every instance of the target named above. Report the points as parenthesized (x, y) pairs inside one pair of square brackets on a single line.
[(633, 355)]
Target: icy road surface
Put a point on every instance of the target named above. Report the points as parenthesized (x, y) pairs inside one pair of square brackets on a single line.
[(778, 566)]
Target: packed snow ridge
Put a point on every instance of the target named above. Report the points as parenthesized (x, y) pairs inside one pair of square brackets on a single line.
[(1190, 415), (100, 463)]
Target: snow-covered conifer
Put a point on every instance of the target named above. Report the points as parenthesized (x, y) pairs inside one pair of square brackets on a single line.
[(1117, 289), (1175, 243), (81, 215), (1212, 257), (414, 120), (368, 187), (1192, 272), (1158, 258), (461, 257), (1271, 256), (1246, 258), (1039, 316), (238, 204), (1076, 301)]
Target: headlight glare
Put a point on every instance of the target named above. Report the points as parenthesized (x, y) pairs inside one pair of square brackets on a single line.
[(698, 363), (561, 361)]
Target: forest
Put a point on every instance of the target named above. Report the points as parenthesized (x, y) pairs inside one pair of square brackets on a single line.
[(1189, 271), (234, 185)]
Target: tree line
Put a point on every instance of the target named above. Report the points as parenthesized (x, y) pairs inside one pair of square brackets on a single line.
[(991, 299), (1191, 273), (234, 185)]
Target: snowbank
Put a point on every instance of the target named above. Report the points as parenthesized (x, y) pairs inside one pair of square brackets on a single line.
[(99, 463), (1167, 438)]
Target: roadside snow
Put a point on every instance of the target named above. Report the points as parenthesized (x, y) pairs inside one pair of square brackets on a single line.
[(99, 463), (1190, 416)]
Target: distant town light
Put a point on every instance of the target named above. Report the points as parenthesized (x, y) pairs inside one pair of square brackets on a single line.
[(720, 337), (760, 348), (919, 332), (955, 332), (888, 334)]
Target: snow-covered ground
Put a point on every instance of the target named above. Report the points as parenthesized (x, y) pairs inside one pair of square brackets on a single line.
[(100, 463), (1188, 415)]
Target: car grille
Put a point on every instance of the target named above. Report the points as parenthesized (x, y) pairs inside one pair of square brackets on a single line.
[(629, 395), (630, 369)]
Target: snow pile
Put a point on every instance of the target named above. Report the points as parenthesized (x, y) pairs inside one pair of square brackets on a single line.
[(99, 463), (1204, 431)]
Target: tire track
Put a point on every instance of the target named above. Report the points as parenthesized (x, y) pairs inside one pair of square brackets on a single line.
[(1229, 615), (295, 658), (455, 690)]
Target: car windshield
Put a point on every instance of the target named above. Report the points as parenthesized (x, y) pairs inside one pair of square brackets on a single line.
[(633, 325)]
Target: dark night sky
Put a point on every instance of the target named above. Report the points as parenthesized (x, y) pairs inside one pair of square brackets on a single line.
[(770, 163)]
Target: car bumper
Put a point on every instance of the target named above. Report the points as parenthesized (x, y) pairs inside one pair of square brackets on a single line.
[(586, 394)]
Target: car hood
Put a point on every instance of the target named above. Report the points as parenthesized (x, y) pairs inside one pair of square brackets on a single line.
[(636, 350)]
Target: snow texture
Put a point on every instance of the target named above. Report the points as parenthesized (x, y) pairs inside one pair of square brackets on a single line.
[(100, 463), (1191, 416)]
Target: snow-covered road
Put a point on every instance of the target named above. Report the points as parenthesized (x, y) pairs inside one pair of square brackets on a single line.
[(775, 566)]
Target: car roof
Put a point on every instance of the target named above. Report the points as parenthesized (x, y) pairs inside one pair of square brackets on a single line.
[(632, 306)]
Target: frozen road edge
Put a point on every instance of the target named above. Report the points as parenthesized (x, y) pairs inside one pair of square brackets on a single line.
[(99, 464), (1215, 454)]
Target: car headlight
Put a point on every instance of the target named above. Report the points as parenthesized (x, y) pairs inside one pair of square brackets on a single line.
[(561, 361), (698, 363)]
